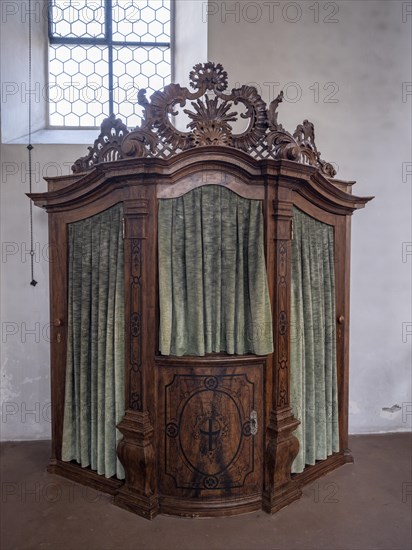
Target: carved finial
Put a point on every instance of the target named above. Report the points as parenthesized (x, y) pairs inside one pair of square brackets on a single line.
[(273, 114), (305, 133), (106, 147), (208, 76)]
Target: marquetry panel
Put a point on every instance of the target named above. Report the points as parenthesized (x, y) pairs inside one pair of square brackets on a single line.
[(211, 430)]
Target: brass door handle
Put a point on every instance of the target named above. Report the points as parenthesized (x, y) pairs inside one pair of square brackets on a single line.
[(341, 319)]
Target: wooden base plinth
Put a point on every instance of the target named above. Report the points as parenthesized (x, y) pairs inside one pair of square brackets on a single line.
[(273, 502), (150, 506), (85, 476), (323, 467), (192, 508), (147, 507)]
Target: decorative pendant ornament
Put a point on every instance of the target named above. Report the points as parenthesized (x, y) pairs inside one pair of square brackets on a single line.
[(30, 147)]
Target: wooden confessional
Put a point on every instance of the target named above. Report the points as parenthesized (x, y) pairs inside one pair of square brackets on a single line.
[(167, 421)]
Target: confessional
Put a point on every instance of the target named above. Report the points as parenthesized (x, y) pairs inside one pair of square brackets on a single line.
[(220, 427)]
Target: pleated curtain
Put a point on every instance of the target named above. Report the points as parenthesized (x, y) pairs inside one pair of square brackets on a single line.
[(94, 393), (213, 290), (313, 340)]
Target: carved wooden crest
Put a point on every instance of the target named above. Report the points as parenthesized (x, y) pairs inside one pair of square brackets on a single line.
[(210, 116)]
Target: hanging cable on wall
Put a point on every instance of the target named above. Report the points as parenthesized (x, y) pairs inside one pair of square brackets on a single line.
[(33, 282)]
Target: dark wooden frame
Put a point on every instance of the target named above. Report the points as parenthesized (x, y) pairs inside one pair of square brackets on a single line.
[(291, 173)]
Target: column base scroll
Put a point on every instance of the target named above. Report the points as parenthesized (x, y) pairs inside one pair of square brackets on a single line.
[(136, 453), (282, 449)]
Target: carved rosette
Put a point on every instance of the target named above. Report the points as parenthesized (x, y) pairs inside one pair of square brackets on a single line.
[(210, 116)]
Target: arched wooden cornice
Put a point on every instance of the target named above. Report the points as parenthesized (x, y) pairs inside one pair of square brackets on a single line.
[(68, 193)]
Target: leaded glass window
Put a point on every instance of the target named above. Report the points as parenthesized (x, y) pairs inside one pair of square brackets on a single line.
[(101, 52)]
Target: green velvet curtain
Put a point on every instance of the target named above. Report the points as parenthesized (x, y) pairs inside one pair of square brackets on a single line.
[(213, 289), (94, 398), (313, 340)]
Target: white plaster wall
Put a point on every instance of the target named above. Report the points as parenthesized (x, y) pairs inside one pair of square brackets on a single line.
[(25, 360), (190, 44), (366, 54)]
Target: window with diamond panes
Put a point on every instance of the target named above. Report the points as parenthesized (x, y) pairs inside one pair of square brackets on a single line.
[(101, 53)]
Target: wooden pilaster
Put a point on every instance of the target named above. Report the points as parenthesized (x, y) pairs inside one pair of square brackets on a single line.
[(281, 445), (136, 450)]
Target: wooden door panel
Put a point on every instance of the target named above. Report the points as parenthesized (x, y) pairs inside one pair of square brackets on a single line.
[(211, 436)]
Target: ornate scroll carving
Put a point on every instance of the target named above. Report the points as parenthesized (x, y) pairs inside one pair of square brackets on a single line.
[(210, 122), (106, 147), (299, 147), (210, 116)]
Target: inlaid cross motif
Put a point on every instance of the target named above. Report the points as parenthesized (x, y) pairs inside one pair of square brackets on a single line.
[(210, 433)]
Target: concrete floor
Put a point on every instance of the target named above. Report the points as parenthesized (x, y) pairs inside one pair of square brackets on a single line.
[(366, 505)]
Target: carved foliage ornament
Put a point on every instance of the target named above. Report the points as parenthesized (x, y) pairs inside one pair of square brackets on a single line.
[(107, 147), (212, 110)]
